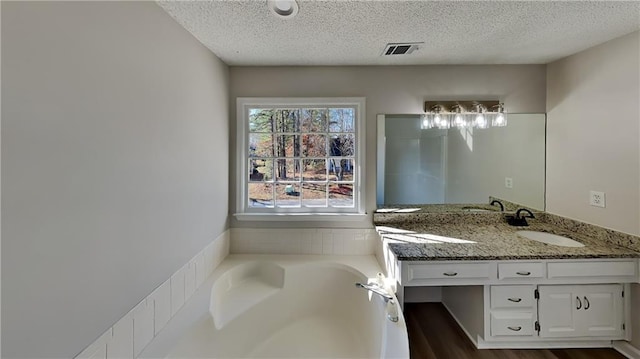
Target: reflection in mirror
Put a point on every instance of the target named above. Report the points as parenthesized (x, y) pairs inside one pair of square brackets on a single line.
[(461, 165)]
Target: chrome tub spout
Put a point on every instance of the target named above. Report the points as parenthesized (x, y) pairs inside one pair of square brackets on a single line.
[(375, 289), (392, 310)]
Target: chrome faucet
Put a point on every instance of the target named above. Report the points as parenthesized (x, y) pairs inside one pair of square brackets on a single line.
[(392, 309), (377, 290)]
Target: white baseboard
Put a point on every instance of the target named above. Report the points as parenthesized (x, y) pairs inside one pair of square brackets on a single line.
[(626, 349), (482, 344)]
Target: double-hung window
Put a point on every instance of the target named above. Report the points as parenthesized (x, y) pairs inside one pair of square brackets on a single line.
[(300, 156)]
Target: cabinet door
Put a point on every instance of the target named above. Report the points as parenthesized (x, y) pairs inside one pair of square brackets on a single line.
[(581, 311), (602, 312), (557, 311)]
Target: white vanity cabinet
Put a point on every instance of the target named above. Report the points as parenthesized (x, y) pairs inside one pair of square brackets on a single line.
[(581, 311), (530, 303), (527, 316)]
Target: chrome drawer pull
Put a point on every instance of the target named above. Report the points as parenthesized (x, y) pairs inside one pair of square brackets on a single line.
[(450, 274), (515, 300), (523, 273), (515, 329)]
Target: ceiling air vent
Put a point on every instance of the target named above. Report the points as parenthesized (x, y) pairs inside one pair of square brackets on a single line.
[(401, 48)]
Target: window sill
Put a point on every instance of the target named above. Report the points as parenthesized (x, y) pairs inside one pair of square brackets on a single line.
[(300, 217)]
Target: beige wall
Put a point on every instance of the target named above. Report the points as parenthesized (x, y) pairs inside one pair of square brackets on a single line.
[(593, 139), (593, 134), (114, 165), (391, 90)]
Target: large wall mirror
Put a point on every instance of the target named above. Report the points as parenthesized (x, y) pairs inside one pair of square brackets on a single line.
[(461, 165)]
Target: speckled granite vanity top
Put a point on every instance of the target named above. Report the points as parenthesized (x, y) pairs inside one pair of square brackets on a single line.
[(486, 236), (440, 208)]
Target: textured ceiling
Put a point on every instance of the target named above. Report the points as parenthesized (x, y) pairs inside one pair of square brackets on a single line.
[(245, 32)]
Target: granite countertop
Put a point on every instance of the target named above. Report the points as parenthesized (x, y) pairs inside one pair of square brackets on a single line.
[(438, 208), (486, 236), (451, 207)]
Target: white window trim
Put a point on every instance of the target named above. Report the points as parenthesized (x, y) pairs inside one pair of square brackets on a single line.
[(243, 212)]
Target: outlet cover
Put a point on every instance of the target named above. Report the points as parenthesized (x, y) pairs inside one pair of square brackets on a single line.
[(508, 182), (596, 199)]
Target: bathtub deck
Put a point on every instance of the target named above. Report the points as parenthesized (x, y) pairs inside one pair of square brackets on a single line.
[(433, 333), (324, 341), (327, 328)]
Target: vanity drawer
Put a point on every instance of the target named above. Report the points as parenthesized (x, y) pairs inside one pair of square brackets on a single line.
[(451, 271), (512, 296), (592, 269), (512, 323), (520, 270)]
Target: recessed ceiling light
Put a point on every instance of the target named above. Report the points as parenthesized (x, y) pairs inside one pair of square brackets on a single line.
[(283, 8)]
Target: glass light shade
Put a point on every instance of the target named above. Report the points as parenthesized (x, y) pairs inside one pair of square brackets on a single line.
[(441, 121), (436, 119), (480, 121), (499, 120), (427, 122), (459, 121)]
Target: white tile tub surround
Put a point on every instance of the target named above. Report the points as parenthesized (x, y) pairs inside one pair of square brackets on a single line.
[(133, 332), (337, 241), (177, 289), (143, 320), (161, 298), (190, 280), (97, 349), (120, 344)]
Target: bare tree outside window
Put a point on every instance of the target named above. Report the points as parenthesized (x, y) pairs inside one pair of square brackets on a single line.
[(301, 157)]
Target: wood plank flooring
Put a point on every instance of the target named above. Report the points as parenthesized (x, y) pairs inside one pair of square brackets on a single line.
[(433, 333)]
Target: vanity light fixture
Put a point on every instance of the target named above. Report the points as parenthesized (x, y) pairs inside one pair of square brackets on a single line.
[(499, 119), (283, 8), (464, 114)]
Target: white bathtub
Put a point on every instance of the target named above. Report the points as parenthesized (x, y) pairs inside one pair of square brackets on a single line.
[(285, 307)]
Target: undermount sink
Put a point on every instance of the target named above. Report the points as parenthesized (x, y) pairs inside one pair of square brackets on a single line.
[(549, 238)]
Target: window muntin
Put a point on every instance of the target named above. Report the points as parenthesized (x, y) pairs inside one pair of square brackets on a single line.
[(301, 158)]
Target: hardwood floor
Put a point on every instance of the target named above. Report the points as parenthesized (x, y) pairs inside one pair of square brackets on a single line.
[(433, 333)]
